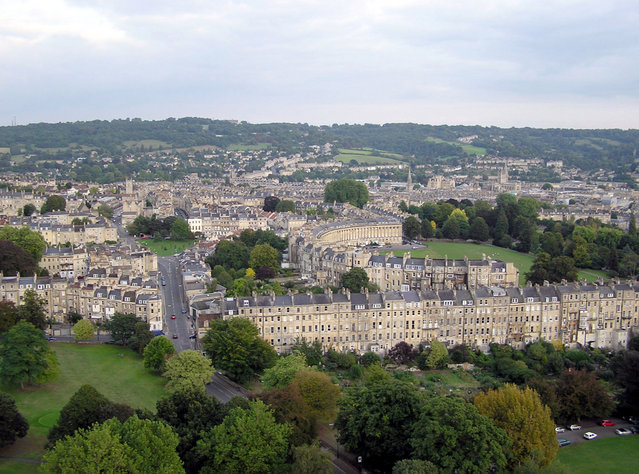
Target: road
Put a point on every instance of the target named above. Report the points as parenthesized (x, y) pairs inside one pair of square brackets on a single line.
[(590, 425), (224, 389), (173, 301)]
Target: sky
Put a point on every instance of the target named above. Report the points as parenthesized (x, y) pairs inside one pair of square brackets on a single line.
[(552, 63)]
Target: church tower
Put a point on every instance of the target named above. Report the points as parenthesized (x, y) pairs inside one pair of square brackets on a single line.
[(129, 186), (409, 184)]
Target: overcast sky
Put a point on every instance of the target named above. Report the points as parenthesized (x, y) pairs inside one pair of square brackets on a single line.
[(564, 63)]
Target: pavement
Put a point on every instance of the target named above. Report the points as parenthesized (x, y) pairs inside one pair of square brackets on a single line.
[(602, 432)]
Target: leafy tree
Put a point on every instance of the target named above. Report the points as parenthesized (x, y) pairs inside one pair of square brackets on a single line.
[(581, 394), (355, 279), (188, 369), (453, 435), (285, 206), (133, 446), (25, 356), (249, 441), (289, 407), (402, 353), (318, 391), (282, 373), (312, 351), (479, 230), (83, 330), (156, 352), (426, 229), (369, 359), (373, 419), (180, 230), (310, 459), (73, 317), (500, 231), (28, 210), (190, 412), (12, 424), (235, 348), (437, 357), (141, 337), (53, 203), (32, 309), (628, 380), (229, 254), (122, 327), (451, 229), (411, 227), (270, 203), (414, 466), (526, 420), (25, 238), (8, 315), (264, 256), (105, 211), (15, 260), (346, 190), (264, 273), (86, 407), (339, 360)]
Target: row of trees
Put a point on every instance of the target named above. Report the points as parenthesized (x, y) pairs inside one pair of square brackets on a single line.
[(173, 227)]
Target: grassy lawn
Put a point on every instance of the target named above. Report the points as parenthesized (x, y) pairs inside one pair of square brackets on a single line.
[(165, 248), (367, 156), (523, 262), (619, 455), (238, 147), (114, 371), (468, 149)]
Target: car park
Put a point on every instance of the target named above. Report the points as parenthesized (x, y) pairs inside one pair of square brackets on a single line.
[(563, 441), (590, 435), (607, 423), (559, 429), (575, 427), (623, 431)]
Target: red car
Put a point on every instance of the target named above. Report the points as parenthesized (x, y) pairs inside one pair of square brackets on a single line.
[(173, 316), (607, 423), (174, 336)]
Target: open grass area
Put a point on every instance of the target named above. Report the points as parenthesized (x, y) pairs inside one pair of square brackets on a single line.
[(239, 147), (468, 149), (114, 371), (523, 262), (367, 156), (165, 248), (619, 455)]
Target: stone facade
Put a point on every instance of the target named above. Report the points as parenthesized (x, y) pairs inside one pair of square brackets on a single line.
[(600, 315)]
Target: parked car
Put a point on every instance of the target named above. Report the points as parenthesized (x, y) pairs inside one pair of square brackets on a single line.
[(590, 435), (173, 316), (175, 336), (563, 441), (634, 420), (183, 311), (559, 429), (623, 431), (607, 423), (51, 338), (634, 429), (575, 427)]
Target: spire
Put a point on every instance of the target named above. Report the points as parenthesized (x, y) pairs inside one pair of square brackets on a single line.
[(409, 184)]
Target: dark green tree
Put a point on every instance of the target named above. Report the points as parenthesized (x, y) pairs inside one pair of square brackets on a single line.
[(8, 315), (270, 203), (28, 210), (15, 260), (346, 190), (312, 351), (479, 230), (122, 327), (582, 395), (156, 352), (450, 433), (141, 337), (355, 279), (411, 227), (235, 347), (229, 254), (86, 407), (426, 229), (12, 424), (264, 256), (32, 309), (25, 356), (373, 420), (25, 238), (180, 230), (451, 229), (285, 206), (289, 407), (53, 203)]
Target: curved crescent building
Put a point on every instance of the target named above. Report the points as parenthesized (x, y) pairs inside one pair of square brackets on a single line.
[(357, 232)]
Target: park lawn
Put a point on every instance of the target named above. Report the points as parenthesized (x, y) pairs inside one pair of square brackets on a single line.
[(619, 455), (239, 147), (166, 248), (114, 371), (457, 250), (468, 149)]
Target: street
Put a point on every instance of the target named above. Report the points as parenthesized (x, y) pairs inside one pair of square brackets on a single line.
[(173, 301)]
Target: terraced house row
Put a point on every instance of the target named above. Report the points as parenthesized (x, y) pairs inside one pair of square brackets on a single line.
[(599, 315)]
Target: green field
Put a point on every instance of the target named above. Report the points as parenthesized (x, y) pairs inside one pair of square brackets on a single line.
[(238, 147), (619, 455), (165, 248), (468, 149), (114, 371), (523, 262), (367, 156)]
